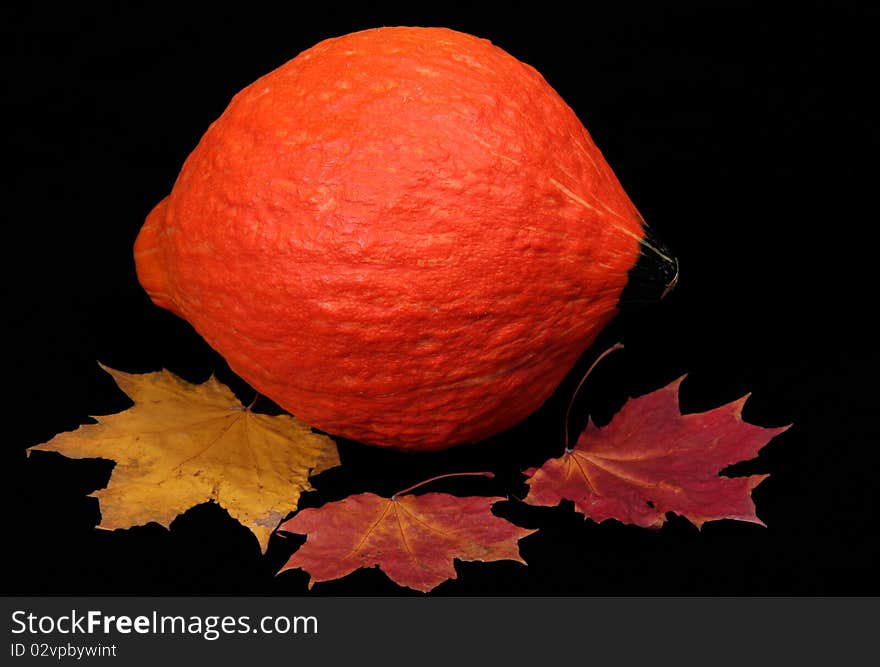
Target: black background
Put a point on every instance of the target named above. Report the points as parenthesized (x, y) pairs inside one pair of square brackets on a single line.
[(744, 134)]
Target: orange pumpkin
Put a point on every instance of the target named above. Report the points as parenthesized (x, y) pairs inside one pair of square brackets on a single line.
[(403, 236)]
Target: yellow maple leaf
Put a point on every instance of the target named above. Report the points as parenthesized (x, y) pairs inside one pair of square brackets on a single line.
[(182, 444)]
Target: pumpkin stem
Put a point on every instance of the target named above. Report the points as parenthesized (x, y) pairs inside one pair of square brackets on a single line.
[(434, 479), (654, 275), (616, 346)]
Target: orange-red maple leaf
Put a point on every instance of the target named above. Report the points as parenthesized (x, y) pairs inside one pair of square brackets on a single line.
[(651, 459), (413, 539)]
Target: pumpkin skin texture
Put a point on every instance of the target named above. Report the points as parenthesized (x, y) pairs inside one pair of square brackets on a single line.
[(402, 236)]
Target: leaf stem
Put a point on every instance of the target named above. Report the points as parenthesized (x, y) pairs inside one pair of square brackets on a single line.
[(434, 479), (613, 348)]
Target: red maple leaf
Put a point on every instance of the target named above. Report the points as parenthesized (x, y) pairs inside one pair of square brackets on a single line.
[(651, 459), (413, 539)]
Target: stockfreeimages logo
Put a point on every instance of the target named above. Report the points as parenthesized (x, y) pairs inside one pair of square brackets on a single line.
[(207, 627)]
